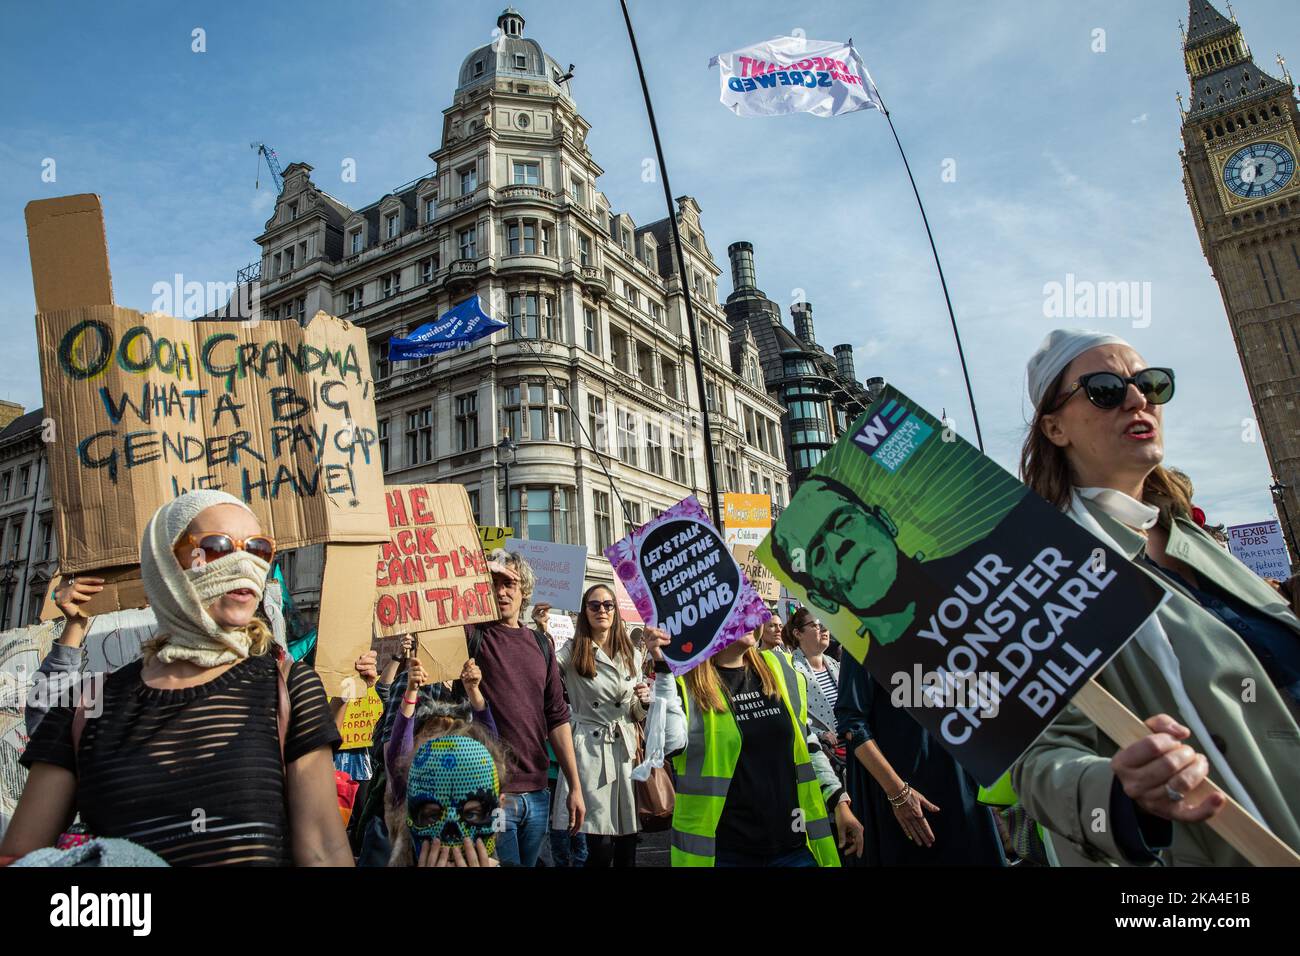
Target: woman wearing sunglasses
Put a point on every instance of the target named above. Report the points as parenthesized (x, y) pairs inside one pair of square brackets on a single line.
[(607, 699), (1198, 672), (206, 750)]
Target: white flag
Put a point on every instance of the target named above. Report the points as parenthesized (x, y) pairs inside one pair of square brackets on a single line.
[(796, 75)]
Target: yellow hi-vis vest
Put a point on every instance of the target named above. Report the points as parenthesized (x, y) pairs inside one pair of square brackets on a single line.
[(704, 770)]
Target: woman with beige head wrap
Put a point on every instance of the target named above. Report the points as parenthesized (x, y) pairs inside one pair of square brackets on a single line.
[(206, 750)]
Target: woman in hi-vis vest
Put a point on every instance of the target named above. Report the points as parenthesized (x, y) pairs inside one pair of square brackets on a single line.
[(753, 787)]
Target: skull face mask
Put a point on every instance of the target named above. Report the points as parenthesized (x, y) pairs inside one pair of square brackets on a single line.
[(451, 793)]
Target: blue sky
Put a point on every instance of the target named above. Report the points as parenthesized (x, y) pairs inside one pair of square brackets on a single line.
[(1066, 162)]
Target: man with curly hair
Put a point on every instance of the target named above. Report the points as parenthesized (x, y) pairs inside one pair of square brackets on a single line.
[(522, 682)]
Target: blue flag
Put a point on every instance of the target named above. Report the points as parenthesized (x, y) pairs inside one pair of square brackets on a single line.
[(458, 326)]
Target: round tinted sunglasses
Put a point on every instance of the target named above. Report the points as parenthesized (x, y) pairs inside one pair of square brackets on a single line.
[(218, 544), (596, 607), (1107, 389)]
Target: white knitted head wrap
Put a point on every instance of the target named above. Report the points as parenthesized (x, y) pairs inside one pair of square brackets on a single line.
[(1059, 349), (180, 598)]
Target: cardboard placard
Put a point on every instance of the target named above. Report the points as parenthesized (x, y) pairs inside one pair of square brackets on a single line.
[(683, 579), (123, 591), (358, 719), (431, 572), (1262, 548), (746, 518), (764, 581), (385, 648), (442, 653), (492, 537), (978, 606), (147, 407), (558, 571), (345, 625)]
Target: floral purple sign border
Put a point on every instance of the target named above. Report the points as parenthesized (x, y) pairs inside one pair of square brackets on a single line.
[(748, 612)]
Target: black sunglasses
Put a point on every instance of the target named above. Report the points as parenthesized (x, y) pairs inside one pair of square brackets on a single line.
[(1107, 389), (595, 606)]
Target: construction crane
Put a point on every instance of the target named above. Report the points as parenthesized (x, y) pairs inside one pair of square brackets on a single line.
[(272, 163)]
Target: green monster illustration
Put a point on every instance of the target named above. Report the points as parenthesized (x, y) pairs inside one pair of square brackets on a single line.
[(846, 555)]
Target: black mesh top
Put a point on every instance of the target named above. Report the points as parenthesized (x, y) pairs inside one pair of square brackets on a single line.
[(192, 774)]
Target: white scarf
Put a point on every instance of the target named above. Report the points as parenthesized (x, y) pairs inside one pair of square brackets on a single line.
[(1151, 636), (180, 598)]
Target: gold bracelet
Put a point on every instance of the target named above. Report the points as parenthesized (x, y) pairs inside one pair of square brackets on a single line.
[(901, 798)]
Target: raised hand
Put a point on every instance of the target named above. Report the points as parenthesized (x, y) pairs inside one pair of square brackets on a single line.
[(75, 591), (367, 667)]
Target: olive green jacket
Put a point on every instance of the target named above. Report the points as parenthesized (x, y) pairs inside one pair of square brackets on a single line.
[(1065, 778)]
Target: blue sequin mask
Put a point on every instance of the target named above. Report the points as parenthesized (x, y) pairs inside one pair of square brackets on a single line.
[(452, 793)]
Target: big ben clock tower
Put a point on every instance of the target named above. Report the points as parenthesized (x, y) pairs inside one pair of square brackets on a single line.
[(1239, 167)]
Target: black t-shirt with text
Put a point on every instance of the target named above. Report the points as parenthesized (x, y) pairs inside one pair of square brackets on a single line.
[(759, 818)]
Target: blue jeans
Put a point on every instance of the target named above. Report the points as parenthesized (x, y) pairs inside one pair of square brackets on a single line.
[(568, 850), (800, 857), (527, 819)]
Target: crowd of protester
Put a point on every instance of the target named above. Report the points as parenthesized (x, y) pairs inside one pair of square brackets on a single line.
[(215, 747)]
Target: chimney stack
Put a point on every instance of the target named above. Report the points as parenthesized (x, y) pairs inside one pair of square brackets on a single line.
[(875, 385), (801, 313), (844, 362), (743, 278)]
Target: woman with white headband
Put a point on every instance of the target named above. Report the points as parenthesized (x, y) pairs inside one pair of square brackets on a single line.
[(1204, 671), (206, 750)]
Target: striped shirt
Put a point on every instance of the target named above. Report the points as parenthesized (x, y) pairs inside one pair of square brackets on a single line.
[(827, 683), (191, 774)]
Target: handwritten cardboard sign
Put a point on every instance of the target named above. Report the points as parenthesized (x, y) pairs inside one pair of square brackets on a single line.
[(683, 579), (432, 573), (142, 408), (764, 581), (358, 719), (558, 571)]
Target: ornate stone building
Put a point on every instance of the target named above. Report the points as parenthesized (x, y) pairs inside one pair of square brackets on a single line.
[(1239, 167), (28, 550), (594, 369)]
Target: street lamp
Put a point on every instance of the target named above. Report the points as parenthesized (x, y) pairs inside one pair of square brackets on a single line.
[(506, 449), (1279, 492)]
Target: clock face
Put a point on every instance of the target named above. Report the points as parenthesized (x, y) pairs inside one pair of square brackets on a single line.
[(1259, 169)]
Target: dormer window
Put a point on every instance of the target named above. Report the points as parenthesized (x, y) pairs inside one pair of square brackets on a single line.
[(393, 222), (478, 67), (356, 242), (521, 61)]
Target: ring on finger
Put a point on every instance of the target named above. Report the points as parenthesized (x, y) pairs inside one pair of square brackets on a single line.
[(1174, 796)]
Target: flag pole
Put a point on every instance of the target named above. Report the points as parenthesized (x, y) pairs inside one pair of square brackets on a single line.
[(961, 354), (681, 276)]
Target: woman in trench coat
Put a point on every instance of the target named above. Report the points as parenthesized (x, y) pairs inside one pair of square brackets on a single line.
[(608, 697)]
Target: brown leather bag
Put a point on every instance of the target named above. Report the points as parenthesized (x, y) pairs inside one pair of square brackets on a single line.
[(655, 797)]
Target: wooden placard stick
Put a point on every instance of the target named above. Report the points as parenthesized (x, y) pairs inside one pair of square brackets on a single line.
[(1243, 832)]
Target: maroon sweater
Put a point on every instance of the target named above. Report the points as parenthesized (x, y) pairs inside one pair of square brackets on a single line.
[(527, 700)]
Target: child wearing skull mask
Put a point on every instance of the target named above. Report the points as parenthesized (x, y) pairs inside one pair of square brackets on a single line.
[(450, 814)]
